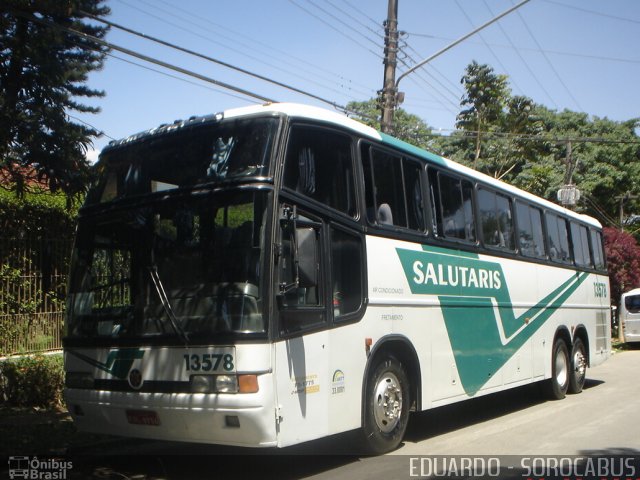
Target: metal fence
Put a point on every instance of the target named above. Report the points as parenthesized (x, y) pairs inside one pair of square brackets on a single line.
[(33, 277)]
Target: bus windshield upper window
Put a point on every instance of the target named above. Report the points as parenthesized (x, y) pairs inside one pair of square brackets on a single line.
[(228, 150), (632, 303)]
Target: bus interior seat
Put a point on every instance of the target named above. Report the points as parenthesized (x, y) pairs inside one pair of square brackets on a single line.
[(385, 216)]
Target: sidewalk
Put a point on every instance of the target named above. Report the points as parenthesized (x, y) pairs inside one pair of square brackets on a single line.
[(28, 431)]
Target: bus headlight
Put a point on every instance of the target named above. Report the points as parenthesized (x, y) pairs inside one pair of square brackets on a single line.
[(223, 383), (226, 384)]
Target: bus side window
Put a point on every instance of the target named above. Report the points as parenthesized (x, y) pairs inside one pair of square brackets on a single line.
[(455, 208), (596, 246), (393, 189), (496, 219), (346, 270), (530, 236), (580, 242), (388, 188), (319, 165), (557, 236)]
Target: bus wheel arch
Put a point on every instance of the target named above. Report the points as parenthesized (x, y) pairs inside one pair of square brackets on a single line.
[(391, 388)]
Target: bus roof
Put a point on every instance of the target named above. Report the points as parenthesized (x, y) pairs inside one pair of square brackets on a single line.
[(295, 110), (631, 293)]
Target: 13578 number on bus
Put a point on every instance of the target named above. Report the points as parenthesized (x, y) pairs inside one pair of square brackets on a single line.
[(209, 362)]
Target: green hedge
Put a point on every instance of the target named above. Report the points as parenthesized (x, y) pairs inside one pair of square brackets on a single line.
[(41, 214), (32, 381)]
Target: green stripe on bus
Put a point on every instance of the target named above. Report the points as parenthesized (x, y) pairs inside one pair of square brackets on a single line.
[(411, 149), (471, 292)]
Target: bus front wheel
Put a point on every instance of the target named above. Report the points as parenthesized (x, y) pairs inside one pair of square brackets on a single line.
[(578, 366), (558, 384), (386, 409)]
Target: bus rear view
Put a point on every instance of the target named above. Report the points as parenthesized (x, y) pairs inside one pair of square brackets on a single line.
[(630, 315)]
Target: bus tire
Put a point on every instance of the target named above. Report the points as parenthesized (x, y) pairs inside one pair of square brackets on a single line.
[(558, 384), (578, 372), (386, 407)]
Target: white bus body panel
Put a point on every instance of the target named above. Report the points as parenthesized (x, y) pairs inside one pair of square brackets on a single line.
[(403, 296), (630, 320)]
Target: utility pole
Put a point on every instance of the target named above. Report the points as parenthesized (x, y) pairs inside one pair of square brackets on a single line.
[(389, 91), (569, 194), (624, 198), (389, 95)]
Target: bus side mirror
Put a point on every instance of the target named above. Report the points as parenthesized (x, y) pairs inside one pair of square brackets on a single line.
[(307, 257)]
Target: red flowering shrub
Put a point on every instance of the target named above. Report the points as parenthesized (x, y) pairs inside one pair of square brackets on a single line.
[(623, 262)]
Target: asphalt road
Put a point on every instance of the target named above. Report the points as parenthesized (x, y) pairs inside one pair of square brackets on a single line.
[(602, 421)]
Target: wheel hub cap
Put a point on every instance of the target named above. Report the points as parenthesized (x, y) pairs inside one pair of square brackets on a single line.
[(580, 363), (388, 403), (561, 369)]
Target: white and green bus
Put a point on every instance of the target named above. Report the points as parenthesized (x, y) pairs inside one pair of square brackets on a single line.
[(279, 273)]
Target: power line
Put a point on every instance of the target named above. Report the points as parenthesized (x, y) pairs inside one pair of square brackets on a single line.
[(360, 11), (135, 54), (199, 55), (357, 20), (601, 211), (185, 80), (553, 68), (526, 64), (460, 40), (433, 89), (333, 27), (593, 12), (511, 46), (457, 94), (100, 131), (260, 45), (339, 20), (259, 59), (466, 15)]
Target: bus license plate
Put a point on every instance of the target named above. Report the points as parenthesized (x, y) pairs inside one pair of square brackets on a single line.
[(143, 417)]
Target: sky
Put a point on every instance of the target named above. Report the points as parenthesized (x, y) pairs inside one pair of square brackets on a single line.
[(581, 55)]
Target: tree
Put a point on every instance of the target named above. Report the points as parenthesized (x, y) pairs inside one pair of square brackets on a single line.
[(43, 73), (406, 126), (604, 167), (483, 104), (623, 262)]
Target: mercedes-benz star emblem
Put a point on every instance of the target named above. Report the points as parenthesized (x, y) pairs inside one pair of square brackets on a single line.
[(135, 379)]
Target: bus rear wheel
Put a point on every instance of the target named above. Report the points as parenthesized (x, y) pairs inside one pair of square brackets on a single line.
[(578, 372), (386, 409), (558, 384)]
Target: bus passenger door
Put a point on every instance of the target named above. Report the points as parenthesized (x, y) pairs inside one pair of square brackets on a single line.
[(302, 354)]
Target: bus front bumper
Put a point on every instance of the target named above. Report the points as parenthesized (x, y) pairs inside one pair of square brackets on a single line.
[(246, 420)]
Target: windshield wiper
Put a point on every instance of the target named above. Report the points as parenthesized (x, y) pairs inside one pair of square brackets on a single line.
[(157, 283)]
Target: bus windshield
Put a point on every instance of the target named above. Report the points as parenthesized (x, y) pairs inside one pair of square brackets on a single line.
[(632, 303), (230, 150), (187, 266)]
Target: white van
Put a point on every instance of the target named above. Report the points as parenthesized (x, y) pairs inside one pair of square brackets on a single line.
[(630, 315)]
